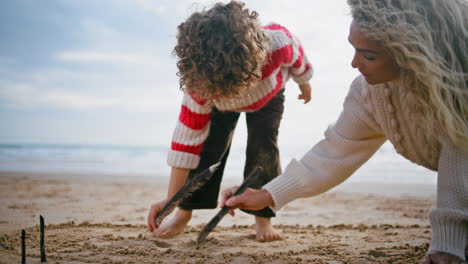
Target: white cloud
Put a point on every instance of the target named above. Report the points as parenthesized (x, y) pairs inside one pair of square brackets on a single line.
[(17, 94), (97, 30), (156, 7), (65, 99), (172, 11), (24, 95), (103, 57), (120, 90)]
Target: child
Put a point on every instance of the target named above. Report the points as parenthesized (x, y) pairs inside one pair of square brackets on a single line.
[(229, 64)]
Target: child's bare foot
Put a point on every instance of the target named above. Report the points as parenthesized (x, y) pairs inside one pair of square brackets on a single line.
[(174, 226), (265, 231)]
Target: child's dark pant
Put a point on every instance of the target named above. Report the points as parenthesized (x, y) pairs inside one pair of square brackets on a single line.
[(262, 150)]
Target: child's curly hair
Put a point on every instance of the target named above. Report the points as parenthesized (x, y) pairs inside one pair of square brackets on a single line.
[(220, 51)]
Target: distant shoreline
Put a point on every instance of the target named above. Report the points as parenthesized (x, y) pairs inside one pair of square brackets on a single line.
[(150, 161)]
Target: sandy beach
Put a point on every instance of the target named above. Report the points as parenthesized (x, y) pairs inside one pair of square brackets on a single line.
[(101, 219)]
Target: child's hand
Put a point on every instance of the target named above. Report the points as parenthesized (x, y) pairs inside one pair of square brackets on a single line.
[(154, 211), (306, 92)]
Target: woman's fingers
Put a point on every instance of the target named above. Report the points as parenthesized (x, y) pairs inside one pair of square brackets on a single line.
[(250, 199), (226, 194)]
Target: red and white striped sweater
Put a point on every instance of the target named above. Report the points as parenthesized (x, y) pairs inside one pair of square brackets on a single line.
[(286, 59)]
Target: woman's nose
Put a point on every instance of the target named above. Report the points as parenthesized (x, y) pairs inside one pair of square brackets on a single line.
[(354, 62)]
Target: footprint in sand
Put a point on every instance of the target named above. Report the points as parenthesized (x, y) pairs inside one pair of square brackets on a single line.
[(162, 244)]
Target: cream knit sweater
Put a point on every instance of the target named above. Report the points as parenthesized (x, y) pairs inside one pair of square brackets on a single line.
[(371, 115)]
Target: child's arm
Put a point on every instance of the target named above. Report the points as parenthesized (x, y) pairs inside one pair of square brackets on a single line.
[(301, 69), (190, 133), (178, 179), (296, 60), (288, 51)]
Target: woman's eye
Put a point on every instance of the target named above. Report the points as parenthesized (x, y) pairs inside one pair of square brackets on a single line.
[(369, 58)]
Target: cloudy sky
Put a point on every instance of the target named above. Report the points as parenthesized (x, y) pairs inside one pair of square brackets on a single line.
[(102, 72)]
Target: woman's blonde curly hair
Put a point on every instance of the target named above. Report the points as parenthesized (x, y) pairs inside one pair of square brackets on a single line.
[(429, 41), (220, 51)]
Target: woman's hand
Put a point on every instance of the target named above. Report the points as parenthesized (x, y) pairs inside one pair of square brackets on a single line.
[(251, 199), (154, 211), (442, 258)]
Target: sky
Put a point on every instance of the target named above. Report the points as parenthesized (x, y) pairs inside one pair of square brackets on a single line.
[(102, 72)]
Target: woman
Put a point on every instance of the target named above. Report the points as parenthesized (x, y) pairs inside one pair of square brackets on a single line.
[(413, 91)]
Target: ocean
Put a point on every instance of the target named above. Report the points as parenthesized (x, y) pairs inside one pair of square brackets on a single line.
[(385, 166)]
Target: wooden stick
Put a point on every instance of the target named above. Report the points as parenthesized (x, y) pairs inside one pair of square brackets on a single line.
[(23, 246), (215, 220), (42, 242)]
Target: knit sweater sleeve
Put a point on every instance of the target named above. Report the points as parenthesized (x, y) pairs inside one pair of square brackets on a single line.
[(301, 69), (348, 143), (449, 220), (191, 131), (288, 53)]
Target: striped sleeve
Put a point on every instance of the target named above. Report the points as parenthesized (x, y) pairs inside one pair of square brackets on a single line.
[(191, 131), (301, 69), (291, 55)]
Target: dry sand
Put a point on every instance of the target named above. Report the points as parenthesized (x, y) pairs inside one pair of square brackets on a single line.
[(101, 219)]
